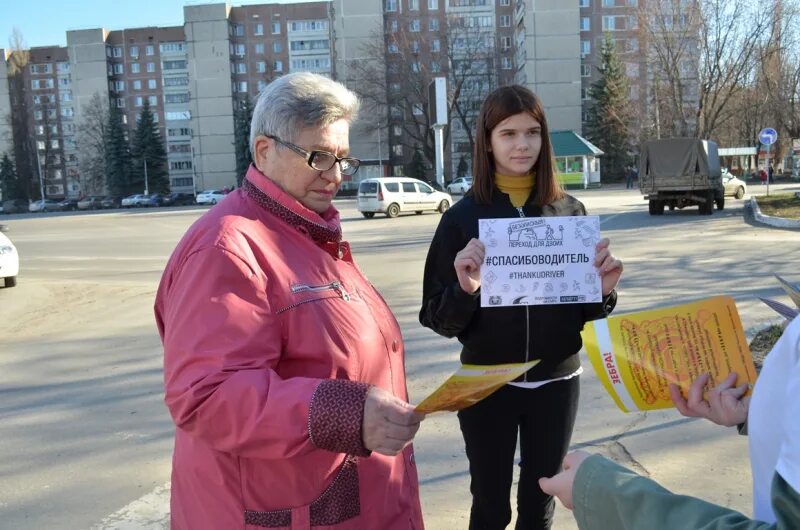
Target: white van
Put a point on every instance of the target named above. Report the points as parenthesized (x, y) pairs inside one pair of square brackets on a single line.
[(393, 195)]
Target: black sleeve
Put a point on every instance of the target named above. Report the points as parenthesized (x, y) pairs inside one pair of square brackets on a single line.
[(446, 308)]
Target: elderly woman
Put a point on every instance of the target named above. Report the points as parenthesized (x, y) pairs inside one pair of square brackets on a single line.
[(283, 366)]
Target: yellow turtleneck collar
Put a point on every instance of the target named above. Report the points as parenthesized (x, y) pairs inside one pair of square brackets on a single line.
[(517, 188)]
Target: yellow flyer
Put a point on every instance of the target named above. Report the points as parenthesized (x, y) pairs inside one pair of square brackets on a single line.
[(637, 355), (470, 384)]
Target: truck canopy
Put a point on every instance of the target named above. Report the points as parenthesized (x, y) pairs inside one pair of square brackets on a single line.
[(679, 157)]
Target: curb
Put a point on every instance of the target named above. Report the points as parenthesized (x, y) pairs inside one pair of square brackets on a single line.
[(778, 222)]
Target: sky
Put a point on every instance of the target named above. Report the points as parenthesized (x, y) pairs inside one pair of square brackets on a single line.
[(45, 22)]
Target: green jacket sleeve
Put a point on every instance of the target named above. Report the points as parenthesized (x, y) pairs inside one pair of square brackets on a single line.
[(606, 495)]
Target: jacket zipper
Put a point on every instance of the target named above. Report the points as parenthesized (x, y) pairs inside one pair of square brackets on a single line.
[(527, 320), (335, 285)]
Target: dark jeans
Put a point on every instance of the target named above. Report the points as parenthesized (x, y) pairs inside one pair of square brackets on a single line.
[(544, 418)]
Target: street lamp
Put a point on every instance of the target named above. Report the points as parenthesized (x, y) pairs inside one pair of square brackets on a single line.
[(146, 187)]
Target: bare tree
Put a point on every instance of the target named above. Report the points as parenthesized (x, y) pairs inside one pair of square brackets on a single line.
[(703, 54), (18, 59), (91, 140)]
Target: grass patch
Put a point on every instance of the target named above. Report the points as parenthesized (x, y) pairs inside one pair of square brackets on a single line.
[(780, 205), (763, 342)]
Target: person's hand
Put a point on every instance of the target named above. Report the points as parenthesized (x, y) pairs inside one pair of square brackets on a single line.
[(725, 404), (609, 267), (560, 485), (389, 422), (468, 265)]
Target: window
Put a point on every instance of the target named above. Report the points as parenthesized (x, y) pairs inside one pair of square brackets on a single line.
[(416, 109), (435, 68), (413, 26), (237, 30), (505, 63), (397, 130), (505, 2), (586, 93), (505, 43), (586, 24), (433, 5), (134, 51), (182, 182), (136, 68), (436, 45), (397, 150), (586, 48), (611, 23), (258, 29), (586, 70), (433, 24), (138, 101), (277, 47), (241, 68), (308, 45), (119, 68), (63, 68), (150, 50), (175, 65), (152, 84), (307, 25), (632, 69), (152, 100), (120, 103), (278, 66), (261, 67), (37, 115), (505, 21), (181, 131), (393, 26), (178, 116), (151, 67), (415, 66), (391, 5), (239, 50), (119, 86), (583, 3), (260, 48), (182, 164), (414, 46), (65, 95), (276, 28), (40, 145), (261, 85), (117, 51), (175, 81), (176, 98), (608, 3), (172, 47), (40, 130), (241, 86), (413, 5), (408, 187)]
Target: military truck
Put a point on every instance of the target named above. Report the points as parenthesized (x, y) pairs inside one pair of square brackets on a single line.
[(681, 172)]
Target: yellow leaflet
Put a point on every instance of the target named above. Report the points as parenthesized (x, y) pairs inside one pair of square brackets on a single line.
[(470, 384), (637, 355)]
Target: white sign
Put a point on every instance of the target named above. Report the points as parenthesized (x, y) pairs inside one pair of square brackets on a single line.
[(768, 136), (540, 260)]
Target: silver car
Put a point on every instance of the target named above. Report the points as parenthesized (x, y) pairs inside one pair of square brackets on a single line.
[(733, 185)]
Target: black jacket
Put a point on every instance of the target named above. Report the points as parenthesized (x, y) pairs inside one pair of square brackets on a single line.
[(502, 334)]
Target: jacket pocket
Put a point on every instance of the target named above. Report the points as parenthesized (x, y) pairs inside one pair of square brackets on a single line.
[(338, 503), (303, 293)]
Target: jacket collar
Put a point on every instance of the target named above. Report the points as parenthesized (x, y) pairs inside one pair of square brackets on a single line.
[(323, 228)]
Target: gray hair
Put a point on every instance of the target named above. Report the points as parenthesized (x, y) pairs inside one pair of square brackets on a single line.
[(297, 101)]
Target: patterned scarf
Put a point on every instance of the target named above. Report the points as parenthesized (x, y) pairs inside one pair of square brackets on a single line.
[(320, 233)]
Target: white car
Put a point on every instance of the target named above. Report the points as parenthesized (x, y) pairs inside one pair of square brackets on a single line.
[(46, 205), (392, 195), (131, 200), (210, 197), (460, 185), (9, 260)]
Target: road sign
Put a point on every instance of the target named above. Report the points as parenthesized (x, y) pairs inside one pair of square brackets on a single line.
[(768, 136)]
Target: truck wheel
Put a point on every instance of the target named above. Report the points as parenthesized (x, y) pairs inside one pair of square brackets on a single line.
[(707, 207), (720, 201), (656, 207)]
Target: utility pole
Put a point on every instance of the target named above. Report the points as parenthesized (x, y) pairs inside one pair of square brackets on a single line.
[(39, 165), (146, 187)]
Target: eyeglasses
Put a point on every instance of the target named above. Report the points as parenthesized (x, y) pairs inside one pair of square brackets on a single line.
[(322, 160)]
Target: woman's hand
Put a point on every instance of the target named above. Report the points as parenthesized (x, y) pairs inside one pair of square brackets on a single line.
[(468, 265), (609, 267), (389, 423), (560, 485), (725, 405)]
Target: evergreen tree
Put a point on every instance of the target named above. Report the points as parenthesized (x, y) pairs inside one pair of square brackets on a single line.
[(416, 168), (10, 184), (243, 115), (148, 152), (461, 170), (117, 155), (610, 113)]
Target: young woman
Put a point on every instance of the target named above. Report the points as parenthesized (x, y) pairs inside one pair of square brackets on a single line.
[(513, 177)]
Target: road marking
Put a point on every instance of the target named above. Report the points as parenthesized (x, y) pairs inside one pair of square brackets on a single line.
[(150, 512)]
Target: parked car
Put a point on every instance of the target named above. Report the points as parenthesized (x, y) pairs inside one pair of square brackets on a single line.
[(111, 201), (733, 185), (47, 205), (68, 205), (15, 206), (460, 185), (178, 199), (131, 200), (391, 196), (210, 197), (93, 202), (155, 199), (9, 260)]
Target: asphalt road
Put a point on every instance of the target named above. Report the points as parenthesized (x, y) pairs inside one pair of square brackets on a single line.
[(85, 440)]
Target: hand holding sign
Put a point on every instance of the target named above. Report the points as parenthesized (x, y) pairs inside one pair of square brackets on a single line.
[(468, 265)]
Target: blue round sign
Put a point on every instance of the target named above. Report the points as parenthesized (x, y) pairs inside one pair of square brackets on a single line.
[(768, 136)]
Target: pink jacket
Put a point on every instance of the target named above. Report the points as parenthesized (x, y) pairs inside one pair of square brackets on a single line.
[(272, 337)]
